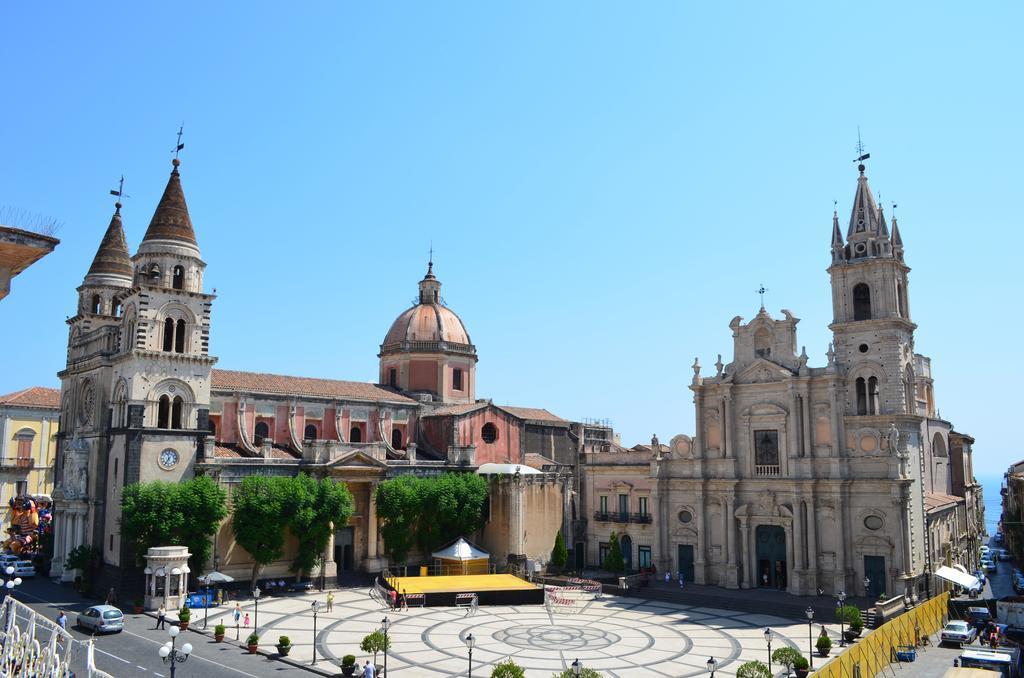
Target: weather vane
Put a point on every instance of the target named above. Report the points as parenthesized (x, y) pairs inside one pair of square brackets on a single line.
[(861, 155), (179, 145), (761, 290), (119, 192)]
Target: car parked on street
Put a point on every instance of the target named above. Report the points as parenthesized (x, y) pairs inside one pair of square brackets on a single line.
[(24, 568), (1004, 554), (101, 619), (991, 566), (958, 632)]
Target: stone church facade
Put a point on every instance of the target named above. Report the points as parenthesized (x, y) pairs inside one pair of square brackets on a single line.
[(806, 478)]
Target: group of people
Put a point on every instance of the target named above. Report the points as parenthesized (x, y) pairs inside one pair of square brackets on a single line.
[(397, 601), (989, 633)]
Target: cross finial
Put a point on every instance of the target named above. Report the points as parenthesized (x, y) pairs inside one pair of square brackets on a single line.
[(119, 193), (178, 146), (861, 155), (761, 290)]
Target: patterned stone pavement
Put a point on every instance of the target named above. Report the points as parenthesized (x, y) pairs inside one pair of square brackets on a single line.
[(618, 636)]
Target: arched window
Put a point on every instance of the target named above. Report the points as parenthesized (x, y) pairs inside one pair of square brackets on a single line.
[(128, 340), (262, 431), (168, 334), (163, 412), (861, 302), (908, 390), (874, 407), (457, 379), (355, 435), (396, 438), (179, 337), (154, 273), (762, 343), (862, 398), (117, 307), (95, 303), (176, 411), (393, 378), (310, 433), (178, 278), (901, 300), (489, 433)]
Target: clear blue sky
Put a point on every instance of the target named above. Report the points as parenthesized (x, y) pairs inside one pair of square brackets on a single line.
[(605, 184)]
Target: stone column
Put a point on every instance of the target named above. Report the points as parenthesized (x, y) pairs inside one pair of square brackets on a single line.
[(730, 531), (371, 523), (812, 536), (841, 540), (702, 537), (747, 555), (798, 536), (698, 406), (790, 555), (728, 451), (792, 425)]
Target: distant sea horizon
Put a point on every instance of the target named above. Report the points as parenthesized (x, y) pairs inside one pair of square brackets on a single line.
[(993, 500)]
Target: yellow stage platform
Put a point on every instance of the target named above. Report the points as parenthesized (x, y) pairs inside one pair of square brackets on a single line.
[(470, 583)]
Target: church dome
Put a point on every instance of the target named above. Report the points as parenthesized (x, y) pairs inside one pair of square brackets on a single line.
[(429, 326)]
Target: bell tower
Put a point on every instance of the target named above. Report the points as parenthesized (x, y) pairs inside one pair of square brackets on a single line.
[(872, 330)]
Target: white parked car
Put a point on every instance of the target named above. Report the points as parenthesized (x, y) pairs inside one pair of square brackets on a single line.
[(958, 632), (24, 568), (1004, 554)]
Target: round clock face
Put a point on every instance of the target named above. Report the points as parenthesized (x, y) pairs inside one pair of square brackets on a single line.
[(168, 459)]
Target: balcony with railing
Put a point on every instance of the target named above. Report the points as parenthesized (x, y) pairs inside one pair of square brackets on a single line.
[(767, 471), (611, 517), (17, 463), (642, 518)]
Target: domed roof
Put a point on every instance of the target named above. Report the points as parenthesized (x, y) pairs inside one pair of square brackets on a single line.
[(428, 321)]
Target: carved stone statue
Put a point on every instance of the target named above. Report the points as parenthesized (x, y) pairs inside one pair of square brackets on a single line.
[(74, 480), (892, 437)]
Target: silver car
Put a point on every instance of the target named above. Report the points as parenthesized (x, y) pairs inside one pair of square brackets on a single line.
[(101, 619), (958, 633)]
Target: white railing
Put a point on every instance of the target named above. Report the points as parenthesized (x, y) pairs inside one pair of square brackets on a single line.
[(32, 645), (767, 470)]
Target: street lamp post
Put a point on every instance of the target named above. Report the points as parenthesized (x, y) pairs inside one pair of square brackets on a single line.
[(256, 617), (840, 612), (577, 668), (9, 584), (316, 608), (768, 639), (171, 654), (810, 633), (385, 624), (470, 641), (712, 665)]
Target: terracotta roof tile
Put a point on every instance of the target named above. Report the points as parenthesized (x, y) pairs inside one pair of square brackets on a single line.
[(34, 396), (936, 500), (539, 461), (455, 410), (533, 413), (235, 452), (171, 220), (258, 382), (112, 255)]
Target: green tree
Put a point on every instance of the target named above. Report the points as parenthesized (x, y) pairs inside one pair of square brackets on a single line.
[(508, 669), (613, 561), (753, 669), (584, 673), (851, 615), (375, 642), (259, 519), (559, 554), (786, 656), (317, 506), (398, 506), (187, 513)]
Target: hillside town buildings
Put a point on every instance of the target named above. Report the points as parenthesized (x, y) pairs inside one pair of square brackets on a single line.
[(28, 444)]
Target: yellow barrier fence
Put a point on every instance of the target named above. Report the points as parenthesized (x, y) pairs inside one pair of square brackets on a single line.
[(875, 651)]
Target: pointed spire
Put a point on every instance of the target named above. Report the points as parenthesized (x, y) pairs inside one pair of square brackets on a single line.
[(883, 230), (864, 216), (837, 235), (112, 255), (171, 220), (430, 286), (897, 240)]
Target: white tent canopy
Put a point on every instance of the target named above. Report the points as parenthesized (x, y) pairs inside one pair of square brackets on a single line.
[(957, 577), (491, 468), (461, 550)]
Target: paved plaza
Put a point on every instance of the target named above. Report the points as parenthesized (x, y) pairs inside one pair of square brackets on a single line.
[(618, 636)]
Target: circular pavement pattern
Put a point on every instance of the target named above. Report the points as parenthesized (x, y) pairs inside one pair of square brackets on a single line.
[(555, 639)]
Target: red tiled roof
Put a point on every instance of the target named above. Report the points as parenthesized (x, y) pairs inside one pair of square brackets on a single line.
[(539, 461), (235, 452), (533, 413), (34, 396), (258, 382), (455, 410), (936, 500)]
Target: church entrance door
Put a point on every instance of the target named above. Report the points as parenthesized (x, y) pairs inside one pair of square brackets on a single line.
[(343, 545), (874, 570), (771, 556), (686, 562)]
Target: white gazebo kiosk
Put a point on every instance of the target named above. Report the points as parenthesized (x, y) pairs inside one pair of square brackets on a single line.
[(461, 558), (166, 577)]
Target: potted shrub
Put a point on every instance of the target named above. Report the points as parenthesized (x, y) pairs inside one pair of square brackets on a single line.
[(507, 669), (252, 642), (348, 665), (786, 656), (753, 669), (801, 666), (850, 614), (824, 644), (138, 605), (284, 645), (218, 633), (183, 617)]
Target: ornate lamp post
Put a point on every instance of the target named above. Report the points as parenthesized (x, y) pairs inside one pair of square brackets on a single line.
[(712, 665), (810, 633), (171, 654), (385, 624), (577, 668), (470, 641), (316, 608), (768, 639), (256, 617), (840, 599), (9, 584)]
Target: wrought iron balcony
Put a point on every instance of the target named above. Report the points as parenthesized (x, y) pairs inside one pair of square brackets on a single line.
[(17, 463), (644, 518), (611, 517)]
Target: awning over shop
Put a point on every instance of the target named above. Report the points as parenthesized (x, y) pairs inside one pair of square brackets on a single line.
[(957, 577)]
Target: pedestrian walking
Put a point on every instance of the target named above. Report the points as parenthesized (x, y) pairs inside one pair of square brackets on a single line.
[(668, 577), (368, 670), (682, 579), (245, 622), (62, 620), (161, 617), (330, 601), (393, 598)]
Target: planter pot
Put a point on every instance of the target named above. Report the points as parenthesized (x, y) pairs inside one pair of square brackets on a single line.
[(823, 651), (218, 637), (851, 636), (283, 650), (348, 670), (800, 673), (252, 648), (183, 625)]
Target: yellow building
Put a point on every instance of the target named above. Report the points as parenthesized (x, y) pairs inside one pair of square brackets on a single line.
[(28, 443)]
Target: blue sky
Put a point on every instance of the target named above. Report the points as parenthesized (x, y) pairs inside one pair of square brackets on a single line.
[(605, 184)]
